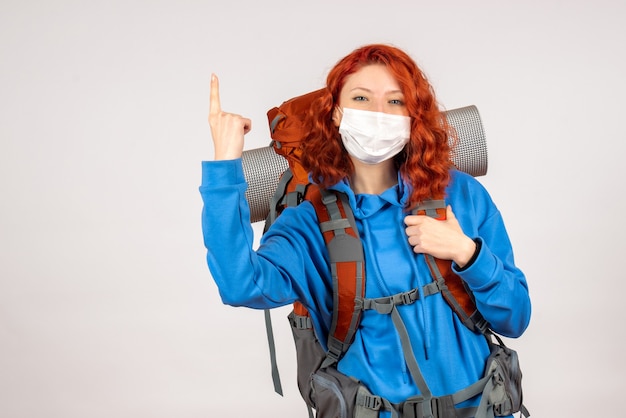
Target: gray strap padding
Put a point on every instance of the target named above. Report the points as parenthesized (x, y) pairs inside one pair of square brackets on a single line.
[(343, 247)]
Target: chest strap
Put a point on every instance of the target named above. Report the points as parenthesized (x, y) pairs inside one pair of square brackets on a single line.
[(389, 306), (425, 405)]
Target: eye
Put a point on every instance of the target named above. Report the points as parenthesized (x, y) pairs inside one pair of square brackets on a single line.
[(396, 102), (359, 98)]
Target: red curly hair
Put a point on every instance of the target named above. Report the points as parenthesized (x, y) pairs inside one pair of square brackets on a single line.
[(425, 161)]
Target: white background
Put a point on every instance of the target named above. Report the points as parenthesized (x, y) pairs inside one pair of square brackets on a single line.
[(107, 308)]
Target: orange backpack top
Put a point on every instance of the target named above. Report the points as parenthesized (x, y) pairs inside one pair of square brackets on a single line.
[(287, 130)]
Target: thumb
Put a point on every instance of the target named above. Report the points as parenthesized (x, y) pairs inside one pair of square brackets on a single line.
[(450, 214)]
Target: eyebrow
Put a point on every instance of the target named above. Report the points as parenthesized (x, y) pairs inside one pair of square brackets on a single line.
[(370, 91)]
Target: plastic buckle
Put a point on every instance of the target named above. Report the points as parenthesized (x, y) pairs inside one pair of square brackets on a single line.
[(410, 297), (412, 408), (373, 402), (443, 407)]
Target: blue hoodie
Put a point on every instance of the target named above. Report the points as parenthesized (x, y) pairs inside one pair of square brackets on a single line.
[(292, 264)]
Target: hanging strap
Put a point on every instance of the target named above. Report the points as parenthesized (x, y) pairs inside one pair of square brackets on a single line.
[(272, 345), (280, 197)]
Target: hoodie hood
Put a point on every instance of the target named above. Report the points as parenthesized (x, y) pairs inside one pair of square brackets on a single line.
[(365, 207)]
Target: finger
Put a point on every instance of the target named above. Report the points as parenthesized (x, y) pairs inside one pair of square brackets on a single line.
[(214, 105), (412, 220), (449, 213), (247, 125), (417, 248), (413, 240)]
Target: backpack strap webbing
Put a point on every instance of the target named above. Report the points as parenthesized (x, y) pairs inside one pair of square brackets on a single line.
[(286, 194), (425, 404), (347, 265), (452, 287), (278, 388)]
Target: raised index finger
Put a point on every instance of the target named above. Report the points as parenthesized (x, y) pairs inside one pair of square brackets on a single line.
[(214, 98)]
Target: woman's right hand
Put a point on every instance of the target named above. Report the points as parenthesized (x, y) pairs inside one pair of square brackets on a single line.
[(227, 129)]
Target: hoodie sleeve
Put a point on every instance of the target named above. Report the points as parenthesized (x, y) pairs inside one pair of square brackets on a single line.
[(282, 270), (499, 286), (228, 238)]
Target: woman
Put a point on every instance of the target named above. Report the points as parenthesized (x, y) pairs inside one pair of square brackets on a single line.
[(377, 135)]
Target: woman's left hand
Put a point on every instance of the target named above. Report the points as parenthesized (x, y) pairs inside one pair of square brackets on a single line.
[(442, 239)]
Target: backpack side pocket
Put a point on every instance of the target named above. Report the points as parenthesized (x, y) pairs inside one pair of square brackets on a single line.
[(309, 352), (506, 394), (334, 393)]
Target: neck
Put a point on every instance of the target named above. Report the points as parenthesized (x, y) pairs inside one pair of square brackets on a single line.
[(373, 178)]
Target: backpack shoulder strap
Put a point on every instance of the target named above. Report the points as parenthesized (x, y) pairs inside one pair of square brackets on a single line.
[(452, 287), (347, 264)]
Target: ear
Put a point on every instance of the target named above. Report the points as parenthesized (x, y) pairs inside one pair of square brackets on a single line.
[(336, 116)]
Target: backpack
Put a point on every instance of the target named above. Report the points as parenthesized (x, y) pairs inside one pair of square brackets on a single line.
[(318, 379)]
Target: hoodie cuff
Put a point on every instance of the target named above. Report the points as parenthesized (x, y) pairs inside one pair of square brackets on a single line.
[(479, 244), (222, 173)]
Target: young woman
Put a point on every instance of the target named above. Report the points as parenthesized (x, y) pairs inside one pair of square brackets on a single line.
[(378, 136)]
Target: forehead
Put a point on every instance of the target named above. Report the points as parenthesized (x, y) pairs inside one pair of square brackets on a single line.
[(371, 77)]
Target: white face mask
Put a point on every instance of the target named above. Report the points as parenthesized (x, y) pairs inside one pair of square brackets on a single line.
[(373, 137)]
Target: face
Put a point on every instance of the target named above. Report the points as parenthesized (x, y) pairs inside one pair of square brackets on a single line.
[(371, 88)]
